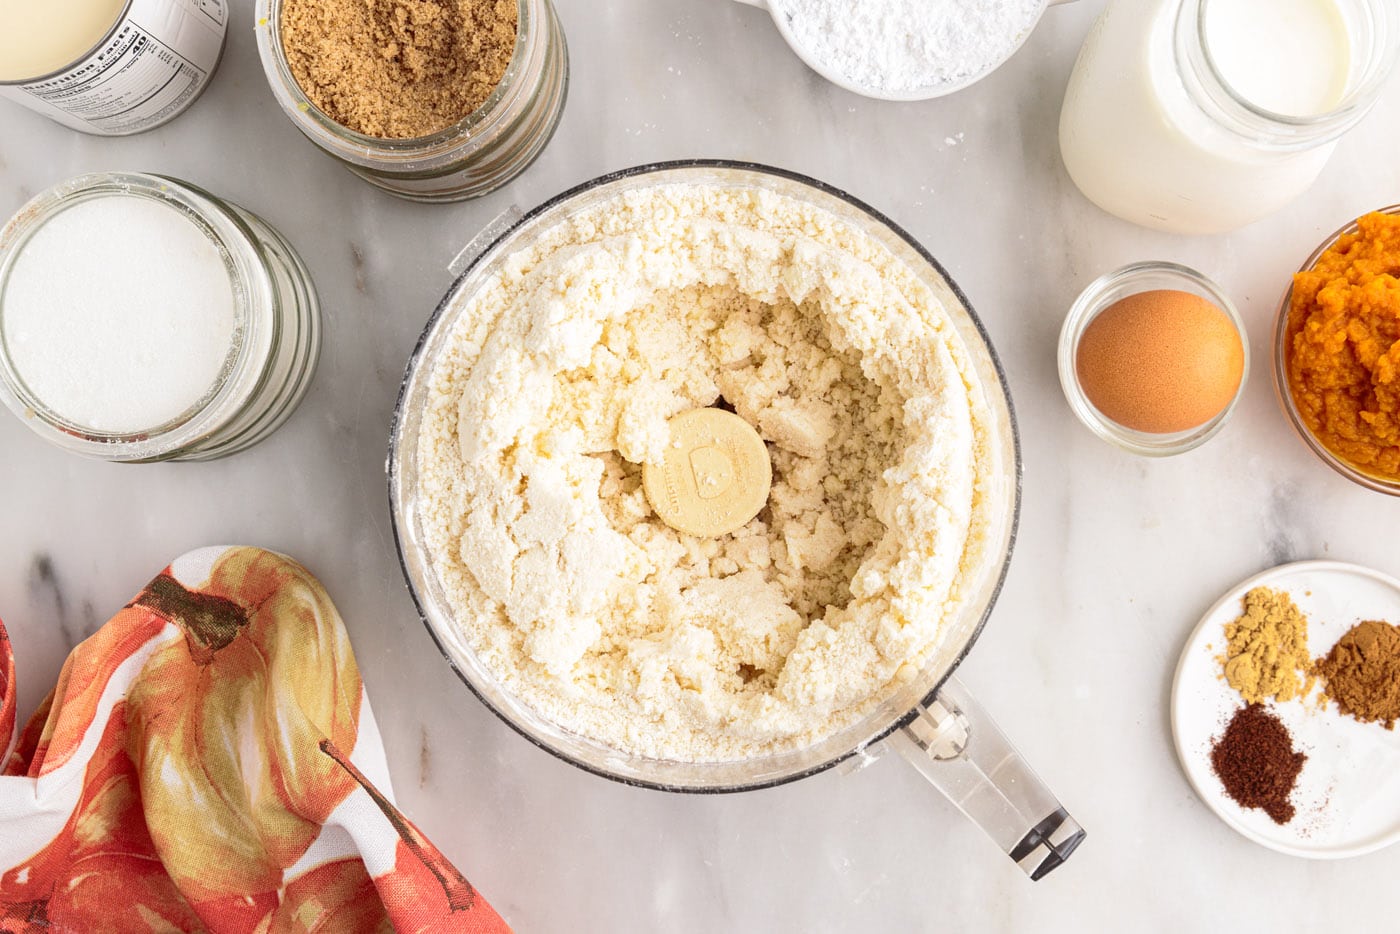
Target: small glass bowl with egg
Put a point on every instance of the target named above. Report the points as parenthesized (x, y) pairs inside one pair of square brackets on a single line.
[(1161, 373)]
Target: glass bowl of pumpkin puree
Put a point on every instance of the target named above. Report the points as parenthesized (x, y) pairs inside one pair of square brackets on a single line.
[(1337, 351)]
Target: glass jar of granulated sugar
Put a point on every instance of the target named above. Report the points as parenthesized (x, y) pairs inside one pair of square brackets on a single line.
[(143, 319), (109, 67), (471, 157)]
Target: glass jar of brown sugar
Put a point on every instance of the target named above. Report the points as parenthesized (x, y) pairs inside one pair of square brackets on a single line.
[(470, 157)]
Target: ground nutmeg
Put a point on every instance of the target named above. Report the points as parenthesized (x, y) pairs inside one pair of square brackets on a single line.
[(1255, 761)]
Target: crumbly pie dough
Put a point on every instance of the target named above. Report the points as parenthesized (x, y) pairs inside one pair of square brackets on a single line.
[(555, 390), (714, 477)]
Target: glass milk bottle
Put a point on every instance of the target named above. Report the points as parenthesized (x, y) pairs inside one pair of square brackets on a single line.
[(1201, 116)]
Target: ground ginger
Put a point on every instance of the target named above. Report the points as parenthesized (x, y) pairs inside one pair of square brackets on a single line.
[(1267, 653)]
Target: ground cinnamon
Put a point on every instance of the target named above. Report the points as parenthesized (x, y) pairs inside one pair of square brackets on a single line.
[(1255, 761), (1362, 673)]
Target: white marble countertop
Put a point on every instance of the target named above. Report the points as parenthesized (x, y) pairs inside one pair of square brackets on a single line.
[(1117, 559)]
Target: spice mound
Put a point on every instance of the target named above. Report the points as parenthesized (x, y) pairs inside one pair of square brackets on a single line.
[(398, 69), (1362, 673), (1343, 347), (1255, 761), (554, 395), (1267, 652)]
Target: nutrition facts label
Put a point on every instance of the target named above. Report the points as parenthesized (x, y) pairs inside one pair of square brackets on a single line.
[(156, 60), (136, 79), (214, 9)]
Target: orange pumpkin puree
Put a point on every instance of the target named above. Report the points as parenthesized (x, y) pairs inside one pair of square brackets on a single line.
[(1344, 347)]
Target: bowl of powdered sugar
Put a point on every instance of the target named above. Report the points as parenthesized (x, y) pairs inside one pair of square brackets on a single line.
[(904, 50)]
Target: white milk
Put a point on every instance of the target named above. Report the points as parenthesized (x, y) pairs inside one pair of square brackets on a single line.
[(1138, 145), (118, 313), (1291, 57)]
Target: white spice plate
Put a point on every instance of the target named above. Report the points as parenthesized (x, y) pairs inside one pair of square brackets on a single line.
[(1348, 793)]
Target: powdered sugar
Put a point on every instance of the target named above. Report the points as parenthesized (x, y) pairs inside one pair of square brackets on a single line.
[(906, 46)]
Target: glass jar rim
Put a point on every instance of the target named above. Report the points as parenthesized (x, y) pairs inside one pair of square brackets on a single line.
[(1193, 50), (190, 425), (356, 146), (1284, 391)]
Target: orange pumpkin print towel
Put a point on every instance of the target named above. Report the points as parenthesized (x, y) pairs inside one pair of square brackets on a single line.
[(209, 761)]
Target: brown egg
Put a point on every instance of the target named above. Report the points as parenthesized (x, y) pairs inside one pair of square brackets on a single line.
[(1160, 362)]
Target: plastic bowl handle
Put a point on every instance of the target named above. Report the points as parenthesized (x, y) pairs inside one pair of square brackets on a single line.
[(955, 744)]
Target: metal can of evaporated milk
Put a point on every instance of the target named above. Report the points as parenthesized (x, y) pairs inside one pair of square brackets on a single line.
[(109, 67)]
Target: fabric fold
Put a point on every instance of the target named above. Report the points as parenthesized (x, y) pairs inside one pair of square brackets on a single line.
[(201, 765)]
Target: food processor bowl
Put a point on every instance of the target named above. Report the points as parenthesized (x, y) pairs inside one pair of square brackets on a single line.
[(931, 719)]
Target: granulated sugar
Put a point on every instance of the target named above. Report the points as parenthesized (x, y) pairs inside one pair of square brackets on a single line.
[(118, 313), (903, 46)]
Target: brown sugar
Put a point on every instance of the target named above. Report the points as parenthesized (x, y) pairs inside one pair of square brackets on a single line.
[(398, 69), (1362, 673)]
